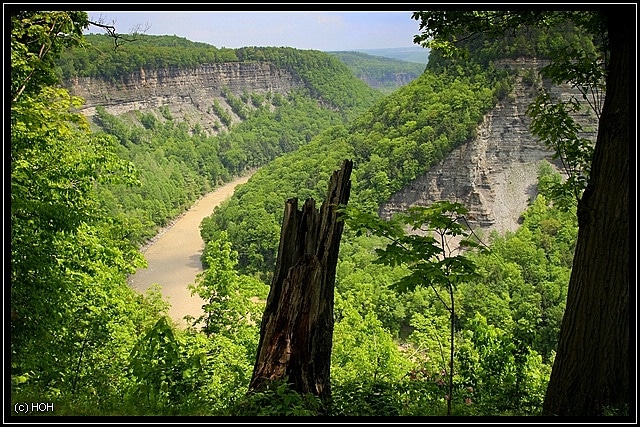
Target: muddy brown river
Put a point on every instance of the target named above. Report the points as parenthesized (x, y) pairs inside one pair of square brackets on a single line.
[(173, 257)]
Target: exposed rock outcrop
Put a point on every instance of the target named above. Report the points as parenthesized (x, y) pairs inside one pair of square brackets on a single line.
[(394, 80), (495, 174), (188, 93)]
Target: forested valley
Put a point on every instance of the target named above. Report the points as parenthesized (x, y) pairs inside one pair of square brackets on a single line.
[(413, 336)]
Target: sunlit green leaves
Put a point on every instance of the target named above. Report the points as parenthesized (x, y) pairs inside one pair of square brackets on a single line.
[(362, 347), (153, 360), (367, 222), (233, 302), (441, 215), (502, 371), (37, 38), (73, 315), (425, 249), (554, 123), (277, 399)]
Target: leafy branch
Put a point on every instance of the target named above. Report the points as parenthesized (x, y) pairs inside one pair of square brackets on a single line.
[(420, 239)]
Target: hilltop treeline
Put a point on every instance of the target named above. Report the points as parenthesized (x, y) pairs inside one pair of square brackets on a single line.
[(325, 77), (99, 57)]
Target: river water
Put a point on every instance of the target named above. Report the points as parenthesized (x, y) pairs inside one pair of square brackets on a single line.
[(173, 257)]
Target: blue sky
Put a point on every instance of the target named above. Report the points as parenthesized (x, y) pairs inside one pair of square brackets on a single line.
[(321, 30)]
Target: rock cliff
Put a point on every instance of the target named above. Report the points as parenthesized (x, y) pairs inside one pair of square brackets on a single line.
[(495, 174), (188, 93), (392, 80)]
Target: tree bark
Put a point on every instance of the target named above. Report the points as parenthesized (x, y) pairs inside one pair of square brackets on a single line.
[(591, 368), (297, 325)]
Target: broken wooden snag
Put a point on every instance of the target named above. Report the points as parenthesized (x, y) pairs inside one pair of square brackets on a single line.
[(297, 325)]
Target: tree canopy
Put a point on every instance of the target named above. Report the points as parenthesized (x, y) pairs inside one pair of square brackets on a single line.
[(602, 209)]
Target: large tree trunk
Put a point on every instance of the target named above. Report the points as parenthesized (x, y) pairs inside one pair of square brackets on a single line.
[(591, 369), (297, 325)]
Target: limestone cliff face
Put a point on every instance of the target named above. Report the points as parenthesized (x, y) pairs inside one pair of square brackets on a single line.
[(188, 93), (495, 174), (394, 80)]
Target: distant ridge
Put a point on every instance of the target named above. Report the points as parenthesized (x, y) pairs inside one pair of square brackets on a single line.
[(416, 54)]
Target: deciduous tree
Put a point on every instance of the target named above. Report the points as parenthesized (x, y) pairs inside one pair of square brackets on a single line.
[(591, 371)]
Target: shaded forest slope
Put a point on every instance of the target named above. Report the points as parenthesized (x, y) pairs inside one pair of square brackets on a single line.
[(190, 116)]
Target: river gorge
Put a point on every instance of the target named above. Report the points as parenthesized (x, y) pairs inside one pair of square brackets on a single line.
[(173, 256)]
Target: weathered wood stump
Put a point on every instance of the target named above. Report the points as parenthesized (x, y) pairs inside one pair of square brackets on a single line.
[(297, 325)]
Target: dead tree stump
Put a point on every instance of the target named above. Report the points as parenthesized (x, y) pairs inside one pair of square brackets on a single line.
[(297, 325)]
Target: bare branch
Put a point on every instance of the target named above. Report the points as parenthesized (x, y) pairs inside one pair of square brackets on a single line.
[(120, 38)]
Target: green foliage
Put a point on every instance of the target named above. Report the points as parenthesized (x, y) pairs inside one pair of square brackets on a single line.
[(425, 250), (63, 247), (168, 184), (554, 125), (486, 36), (223, 114), (99, 58), (187, 373), (368, 284), (504, 374), (366, 362), (367, 397), (154, 361), (277, 399), (231, 300), (78, 206), (335, 86), (429, 337), (362, 348), (523, 280), (224, 376), (384, 74), (216, 284), (37, 39), (238, 106), (74, 318)]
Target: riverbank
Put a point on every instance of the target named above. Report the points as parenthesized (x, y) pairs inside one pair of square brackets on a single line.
[(173, 255)]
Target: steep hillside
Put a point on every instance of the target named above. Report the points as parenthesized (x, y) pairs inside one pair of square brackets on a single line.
[(190, 116), (494, 175), (379, 72), (190, 95), (201, 84), (442, 136)]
